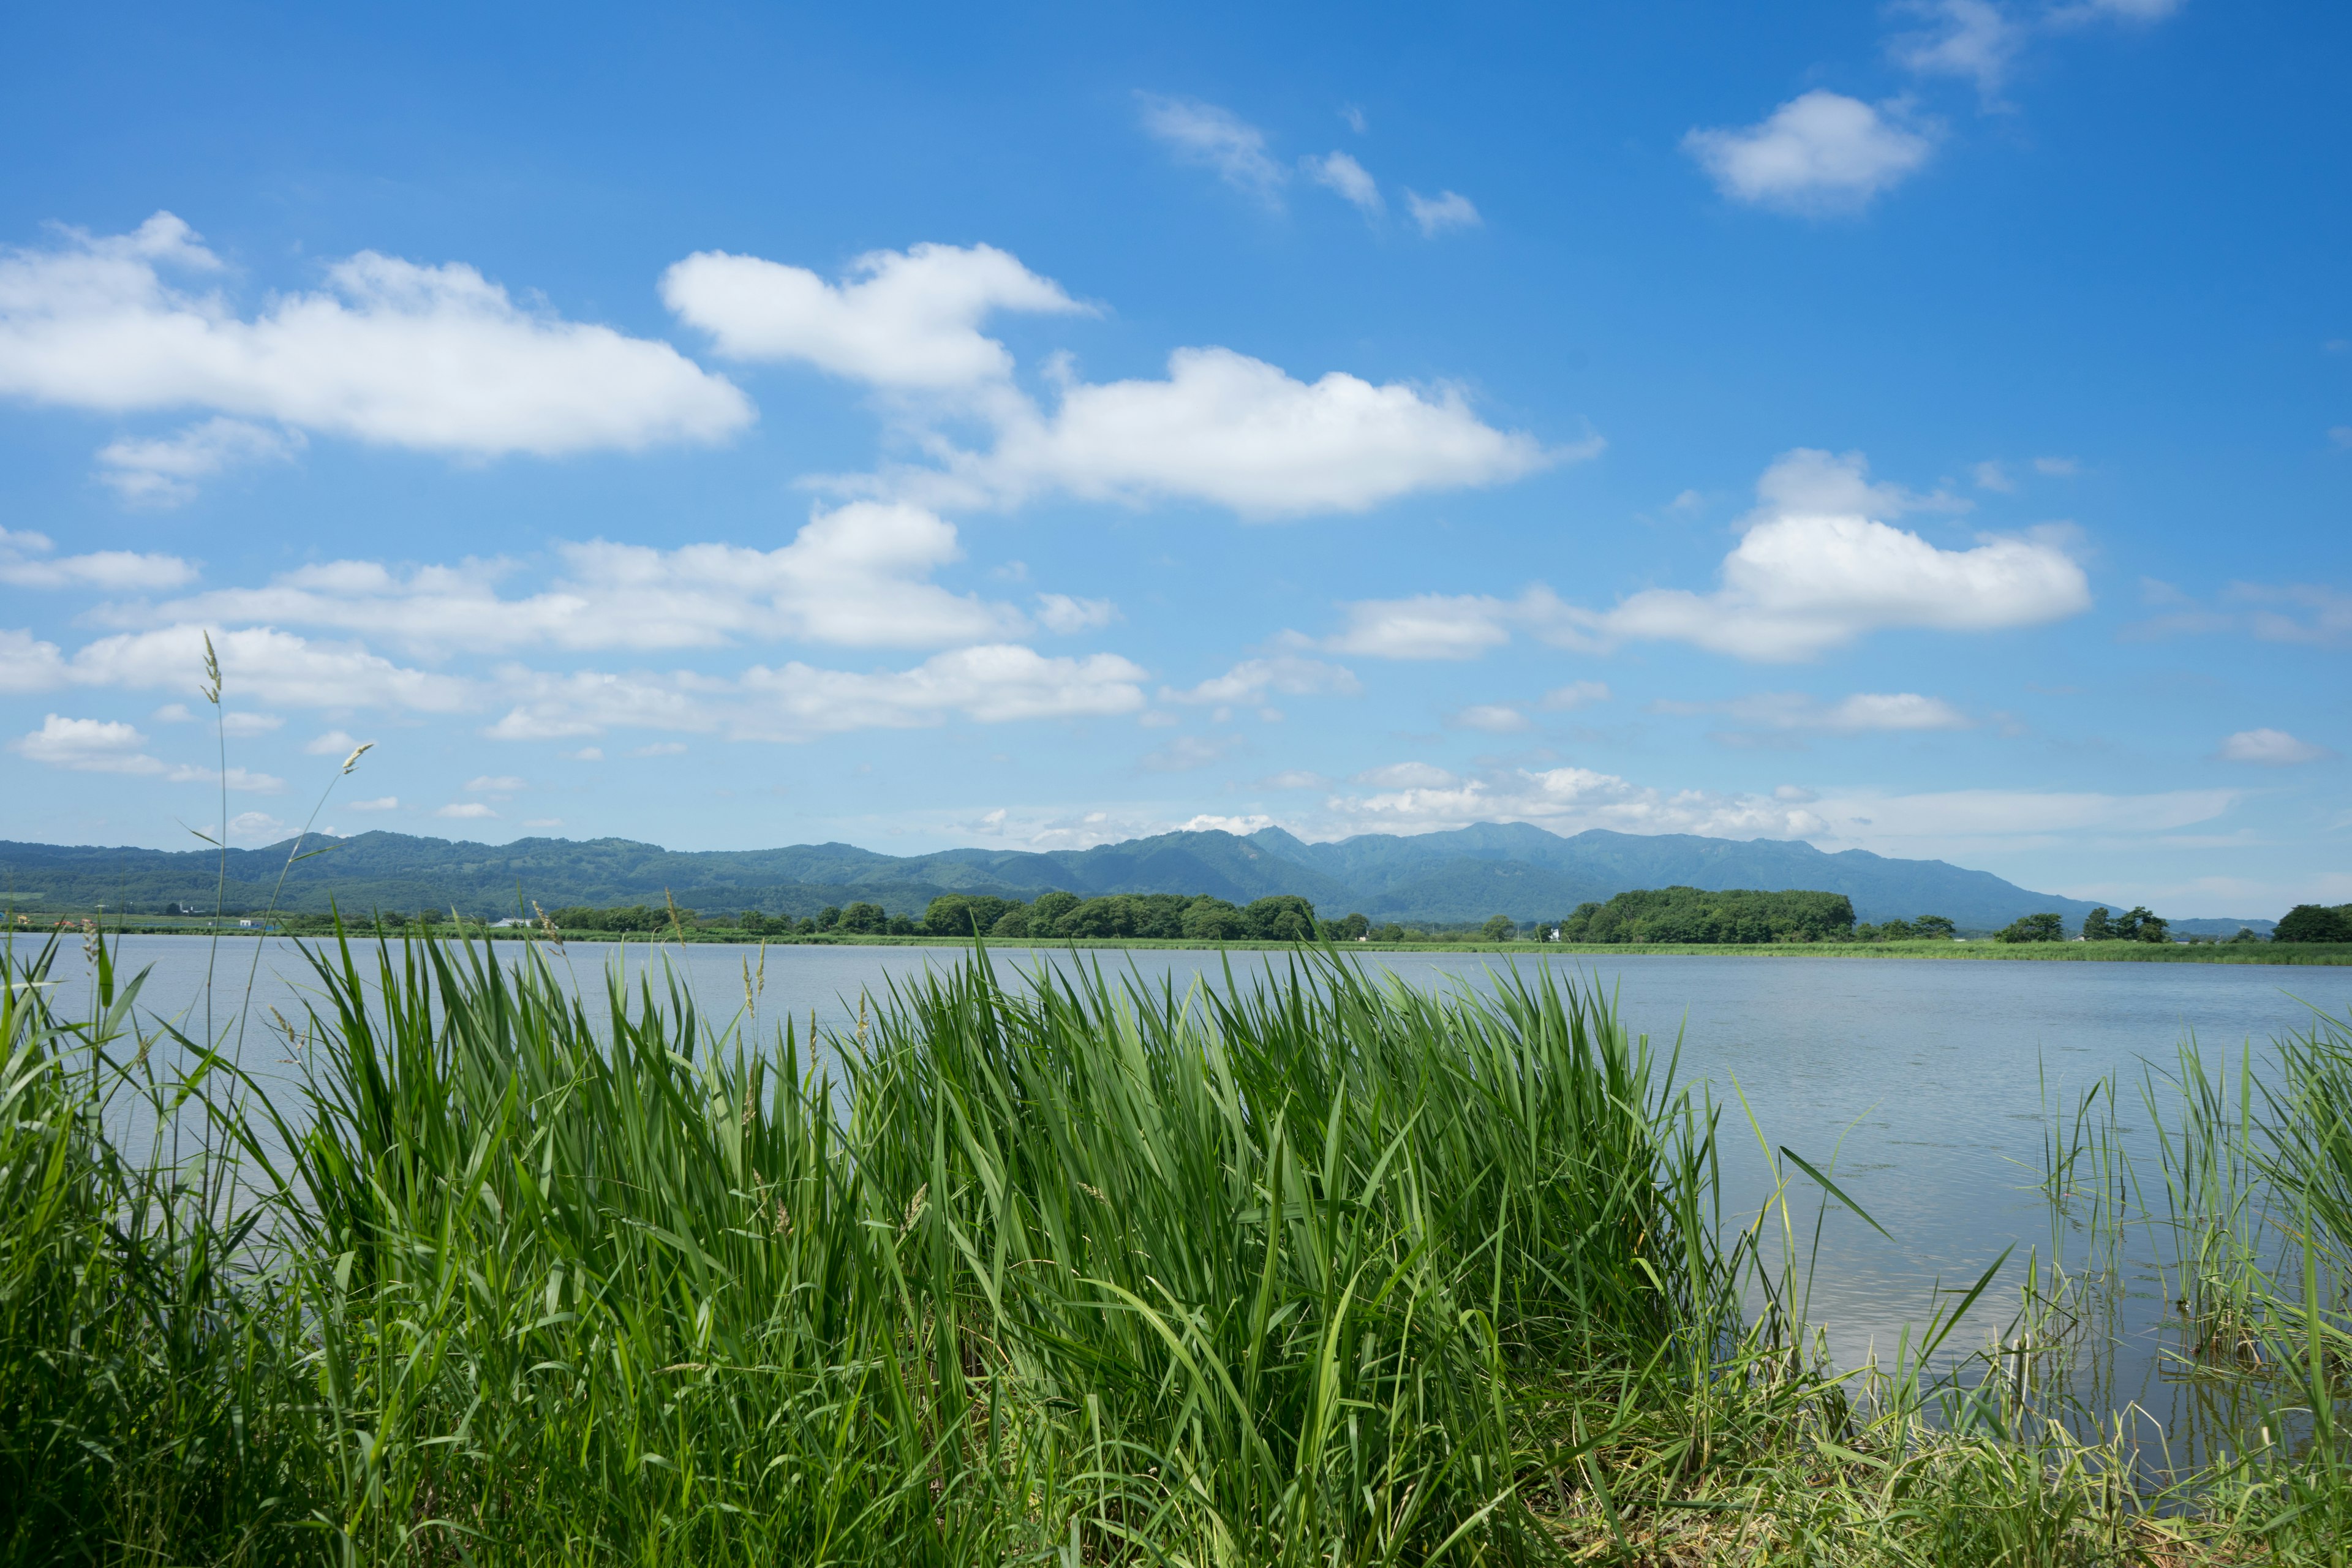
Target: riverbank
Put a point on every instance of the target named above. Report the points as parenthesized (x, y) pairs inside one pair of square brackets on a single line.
[(2281, 954)]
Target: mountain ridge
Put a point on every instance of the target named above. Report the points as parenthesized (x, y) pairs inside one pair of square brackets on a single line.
[(1460, 875)]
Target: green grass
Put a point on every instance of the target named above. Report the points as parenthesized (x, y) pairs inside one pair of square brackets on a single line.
[(1304, 1267)]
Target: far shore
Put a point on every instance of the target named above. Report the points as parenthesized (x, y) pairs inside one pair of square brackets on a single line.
[(2282, 955)]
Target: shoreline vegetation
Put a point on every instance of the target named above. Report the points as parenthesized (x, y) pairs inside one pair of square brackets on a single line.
[(2325, 954), (1307, 1268)]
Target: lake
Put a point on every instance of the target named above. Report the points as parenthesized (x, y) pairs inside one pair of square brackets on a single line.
[(1922, 1079)]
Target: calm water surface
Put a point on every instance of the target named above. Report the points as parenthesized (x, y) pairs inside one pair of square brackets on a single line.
[(1923, 1079)]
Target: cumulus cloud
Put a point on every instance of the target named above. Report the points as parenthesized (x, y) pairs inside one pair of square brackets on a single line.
[(88, 745), (1445, 210), (2271, 748), (856, 577), (907, 319), (381, 803), (27, 562), (505, 782), (1864, 712), (470, 809), (332, 743), (267, 666), (1819, 153), (1253, 678), (1814, 571), (1239, 432), (435, 359), (1216, 139), (162, 471), (110, 746), (1351, 180), (1407, 775), (1296, 778)]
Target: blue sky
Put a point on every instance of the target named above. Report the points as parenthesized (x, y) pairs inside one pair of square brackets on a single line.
[(1923, 428)]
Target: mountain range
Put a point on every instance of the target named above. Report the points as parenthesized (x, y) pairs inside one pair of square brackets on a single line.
[(1464, 875)]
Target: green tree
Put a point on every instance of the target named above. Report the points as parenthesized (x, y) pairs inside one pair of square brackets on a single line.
[(1499, 927), (949, 914), (1282, 917), (1213, 920), (2245, 933), (1939, 927), (2096, 926), (2315, 922), (828, 917), (1349, 928), (2048, 927), (1388, 932), (864, 919), (1012, 923), (1045, 914)]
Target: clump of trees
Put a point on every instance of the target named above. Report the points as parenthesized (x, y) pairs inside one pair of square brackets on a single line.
[(1739, 916), (1926, 928), (2137, 925), (2048, 926), (2315, 922), (1282, 917)]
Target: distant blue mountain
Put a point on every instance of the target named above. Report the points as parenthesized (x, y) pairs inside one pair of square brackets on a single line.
[(1467, 874)]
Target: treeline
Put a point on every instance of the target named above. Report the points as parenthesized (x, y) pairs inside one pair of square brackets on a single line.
[(1169, 916), (1741, 916)]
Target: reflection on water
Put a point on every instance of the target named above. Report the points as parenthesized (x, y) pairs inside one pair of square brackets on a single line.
[(1924, 1088)]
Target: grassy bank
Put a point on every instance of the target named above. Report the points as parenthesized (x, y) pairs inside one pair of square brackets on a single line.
[(1299, 1269)]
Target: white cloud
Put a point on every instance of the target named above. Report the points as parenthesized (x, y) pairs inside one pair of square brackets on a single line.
[(1971, 38), (1438, 626), (1216, 138), (162, 471), (1186, 753), (1237, 431), (381, 803), (2013, 816), (1811, 572), (2272, 748), (255, 827), (1993, 475), (586, 754), (1061, 613), (498, 782), (1447, 209), (1288, 674), (88, 745), (263, 663), (110, 746), (333, 743), (542, 821), (466, 808), (907, 319), (29, 664), (1820, 153), (992, 683), (26, 563), (431, 358), (1802, 581), (1351, 180), (2057, 468), (659, 749), (245, 725), (1355, 120), (1296, 778), (1864, 712), (1494, 718), (857, 576), (1576, 694), (1407, 775)]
